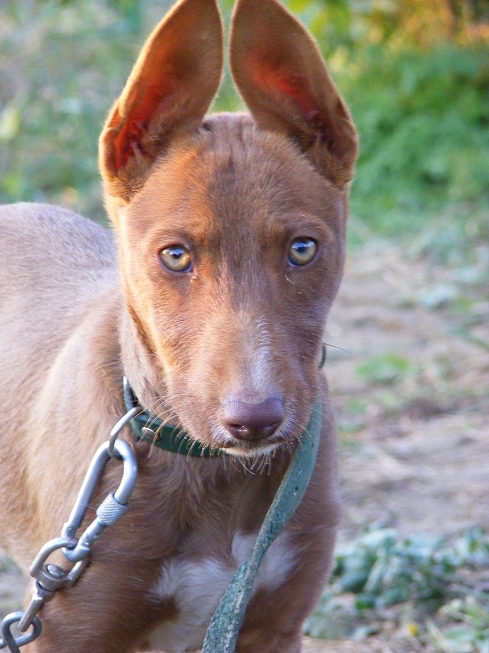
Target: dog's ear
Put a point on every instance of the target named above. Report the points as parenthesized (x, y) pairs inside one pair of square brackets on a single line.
[(172, 84), (281, 75)]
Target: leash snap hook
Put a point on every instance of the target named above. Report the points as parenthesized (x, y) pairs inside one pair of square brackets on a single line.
[(113, 506), (50, 576), (125, 419)]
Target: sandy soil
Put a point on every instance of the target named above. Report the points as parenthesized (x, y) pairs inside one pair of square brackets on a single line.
[(414, 445), (413, 452)]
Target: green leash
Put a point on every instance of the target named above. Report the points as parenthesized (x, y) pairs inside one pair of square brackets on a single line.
[(223, 631)]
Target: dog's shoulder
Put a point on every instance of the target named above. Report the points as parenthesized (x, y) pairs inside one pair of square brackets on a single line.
[(42, 241), (24, 224)]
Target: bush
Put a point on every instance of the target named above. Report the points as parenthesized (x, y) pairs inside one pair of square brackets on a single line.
[(437, 585), (423, 119)]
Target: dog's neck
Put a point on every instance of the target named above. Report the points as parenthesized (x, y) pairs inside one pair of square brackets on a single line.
[(141, 367)]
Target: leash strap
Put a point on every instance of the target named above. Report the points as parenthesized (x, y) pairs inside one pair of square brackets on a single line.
[(226, 622)]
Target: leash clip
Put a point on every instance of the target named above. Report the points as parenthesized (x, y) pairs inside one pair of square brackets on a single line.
[(113, 506), (50, 577)]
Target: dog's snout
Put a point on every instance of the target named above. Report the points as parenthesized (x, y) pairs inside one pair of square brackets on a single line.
[(252, 421)]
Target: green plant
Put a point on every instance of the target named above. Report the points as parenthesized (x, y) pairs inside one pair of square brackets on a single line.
[(384, 369), (422, 118), (381, 570), (472, 630)]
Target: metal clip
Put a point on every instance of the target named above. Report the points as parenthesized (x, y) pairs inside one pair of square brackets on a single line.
[(40, 596), (9, 641), (131, 414), (110, 510), (50, 577)]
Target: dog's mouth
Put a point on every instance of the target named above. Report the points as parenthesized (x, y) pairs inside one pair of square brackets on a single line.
[(232, 443), (251, 449), (238, 449)]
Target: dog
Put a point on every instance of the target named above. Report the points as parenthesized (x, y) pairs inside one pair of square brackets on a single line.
[(211, 297)]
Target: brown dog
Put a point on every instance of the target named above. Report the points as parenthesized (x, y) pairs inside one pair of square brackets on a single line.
[(230, 234)]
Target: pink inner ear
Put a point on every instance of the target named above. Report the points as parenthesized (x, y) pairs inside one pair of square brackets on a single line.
[(270, 78), (136, 124)]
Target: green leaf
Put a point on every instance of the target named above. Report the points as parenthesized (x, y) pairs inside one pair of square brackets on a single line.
[(384, 369)]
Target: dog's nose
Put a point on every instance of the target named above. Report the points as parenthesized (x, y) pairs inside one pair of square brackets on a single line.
[(252, 421)]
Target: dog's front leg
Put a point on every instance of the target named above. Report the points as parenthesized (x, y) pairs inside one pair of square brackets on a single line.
[(275, 617), (107, 611)]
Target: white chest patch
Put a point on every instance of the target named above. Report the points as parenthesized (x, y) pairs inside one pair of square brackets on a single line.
[(198, 586), (275, 566)]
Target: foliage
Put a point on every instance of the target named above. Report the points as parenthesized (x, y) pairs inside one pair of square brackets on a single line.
[(71, 63), (425, 575), (416, 75), (384, 369), (424, 135)]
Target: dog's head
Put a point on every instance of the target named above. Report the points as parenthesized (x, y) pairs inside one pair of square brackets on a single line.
[(231, 227)]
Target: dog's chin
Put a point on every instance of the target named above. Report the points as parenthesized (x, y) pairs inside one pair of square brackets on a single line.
[(236, 448)]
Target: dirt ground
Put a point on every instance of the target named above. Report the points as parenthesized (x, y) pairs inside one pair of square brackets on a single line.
[(408, 365), (414, 448)]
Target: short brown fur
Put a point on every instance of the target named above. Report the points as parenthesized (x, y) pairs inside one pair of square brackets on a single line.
[(243, 325)]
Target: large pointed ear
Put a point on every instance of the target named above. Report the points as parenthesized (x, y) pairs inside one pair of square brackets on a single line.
[(172, 84), (281, 75)]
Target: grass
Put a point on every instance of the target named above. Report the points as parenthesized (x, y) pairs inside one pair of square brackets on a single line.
[(433, 591)]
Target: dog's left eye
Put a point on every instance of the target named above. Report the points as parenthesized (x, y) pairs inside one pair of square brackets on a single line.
[(176, 258), (302, 251)]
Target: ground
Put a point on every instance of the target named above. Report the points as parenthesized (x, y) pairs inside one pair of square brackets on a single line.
[(408, 366), (411, 391)]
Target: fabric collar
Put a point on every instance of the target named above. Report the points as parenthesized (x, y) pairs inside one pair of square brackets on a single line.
[(149, 427)]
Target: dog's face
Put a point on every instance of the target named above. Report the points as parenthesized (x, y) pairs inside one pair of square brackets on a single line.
[(231, 256), (231, 229)]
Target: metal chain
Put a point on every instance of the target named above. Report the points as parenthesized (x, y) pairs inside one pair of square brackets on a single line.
[(50, 577)]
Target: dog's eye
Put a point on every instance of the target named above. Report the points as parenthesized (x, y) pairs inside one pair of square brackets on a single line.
[(176, 258), (302, 251)]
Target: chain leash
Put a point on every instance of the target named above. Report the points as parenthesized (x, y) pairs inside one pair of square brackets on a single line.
[(50, 577)]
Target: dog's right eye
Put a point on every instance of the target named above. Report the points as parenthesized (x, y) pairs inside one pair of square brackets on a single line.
[(302, 251), (176, 258)]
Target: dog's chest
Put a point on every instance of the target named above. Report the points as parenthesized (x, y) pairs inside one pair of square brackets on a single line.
[(197, 585)]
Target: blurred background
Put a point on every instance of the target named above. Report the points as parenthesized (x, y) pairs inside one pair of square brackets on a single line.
[(408, 337), (414, 72)]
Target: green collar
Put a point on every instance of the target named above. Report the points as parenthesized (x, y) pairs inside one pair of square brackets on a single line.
[(147, 426)]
